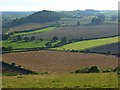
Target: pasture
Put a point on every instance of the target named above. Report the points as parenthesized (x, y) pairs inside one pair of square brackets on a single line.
[(59, 62), (24, 44), (87, 44), (34, 32), (96, 80)]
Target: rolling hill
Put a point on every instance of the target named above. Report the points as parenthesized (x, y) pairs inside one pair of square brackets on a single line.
[(37, 17)]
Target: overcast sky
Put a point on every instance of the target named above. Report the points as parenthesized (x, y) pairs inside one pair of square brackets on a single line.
[(67, 5)]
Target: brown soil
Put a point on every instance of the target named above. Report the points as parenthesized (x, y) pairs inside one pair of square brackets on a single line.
[(56, 61)]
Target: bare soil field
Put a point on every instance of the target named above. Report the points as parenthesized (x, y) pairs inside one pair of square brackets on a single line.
[(87, 32), (57, 62)]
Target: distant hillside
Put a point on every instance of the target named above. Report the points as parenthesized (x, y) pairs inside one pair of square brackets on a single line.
[(38, 17), (9, 16), (14, 15)]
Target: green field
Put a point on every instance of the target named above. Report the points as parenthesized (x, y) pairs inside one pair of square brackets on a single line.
[(34, 32), (23, 44), (96, 80), (83, 45)]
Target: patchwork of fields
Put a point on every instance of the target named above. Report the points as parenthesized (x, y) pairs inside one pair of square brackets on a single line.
[(60, 49)]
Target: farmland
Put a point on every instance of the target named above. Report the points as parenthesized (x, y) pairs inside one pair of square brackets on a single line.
[(23, 44), (23, 27), (113, 48), (36, 31), (49, 61), (100, 80), (83, 45), (86, 32), (66, 49)]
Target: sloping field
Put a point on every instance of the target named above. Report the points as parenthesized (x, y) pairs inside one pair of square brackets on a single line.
[(113, 48), (86, 32), (23, 27), (56, 61), (36, 31), (83, 45), (75, 81)]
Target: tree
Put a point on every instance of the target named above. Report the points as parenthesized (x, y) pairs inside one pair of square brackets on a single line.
[(10, 48), (48, 45), (5, 36), (108, 53), (13, 64), (78, 23), (41, 39), (114, 18), (19, 38), (94, 69), (55, 38), (96, 21), (101, 16), (32, 38), (64, 40), (4, 49), (26, 39)]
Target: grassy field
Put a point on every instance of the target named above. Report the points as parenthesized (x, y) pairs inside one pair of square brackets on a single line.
[(59, 62), (23, 44), (96, 80), (82, 45), (34, 32)]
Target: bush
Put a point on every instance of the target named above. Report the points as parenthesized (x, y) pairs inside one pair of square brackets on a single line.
[(108, 53), (9, 74), (83, 70), (94, 69), (13, 64), (117, 69), (107, 70)]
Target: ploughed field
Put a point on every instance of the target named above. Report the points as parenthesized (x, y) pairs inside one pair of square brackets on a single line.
[(87, 32), (57, 61), (113, 48)]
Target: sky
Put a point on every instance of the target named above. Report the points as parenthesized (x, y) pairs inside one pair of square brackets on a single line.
[(66, 5)]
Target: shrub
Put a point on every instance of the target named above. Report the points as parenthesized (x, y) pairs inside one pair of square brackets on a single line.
[(94, 69), (9, 74), (107, 70), (83, 70), (13, 64), (117, 69), (108, 53)]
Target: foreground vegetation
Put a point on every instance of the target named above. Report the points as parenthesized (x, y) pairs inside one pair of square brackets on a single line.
[(96, 80)]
